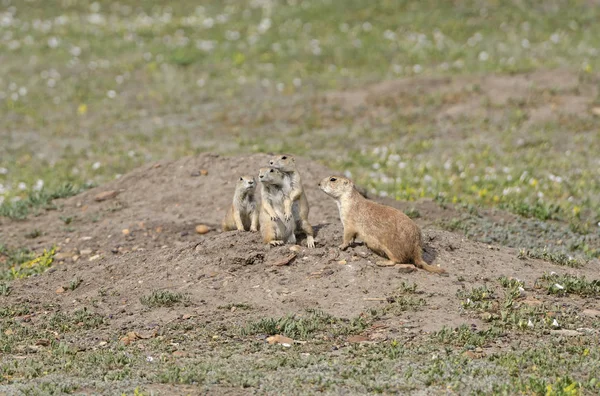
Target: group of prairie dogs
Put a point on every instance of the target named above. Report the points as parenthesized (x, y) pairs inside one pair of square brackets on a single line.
[(284, 209)]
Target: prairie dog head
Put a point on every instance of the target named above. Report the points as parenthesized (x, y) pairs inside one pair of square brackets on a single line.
[(285, 163), (270, 176), (247, 183), (336, 186)]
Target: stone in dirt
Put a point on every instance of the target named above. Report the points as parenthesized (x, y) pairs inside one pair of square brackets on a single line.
[(105, 195), (202, 229), (279, 339), (357, 339), (565, 332), (594, 313)]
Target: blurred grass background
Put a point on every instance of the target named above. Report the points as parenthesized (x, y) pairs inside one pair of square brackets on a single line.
[(484, 104)]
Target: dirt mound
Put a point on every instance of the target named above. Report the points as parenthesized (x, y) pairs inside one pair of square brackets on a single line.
[(143, 239)]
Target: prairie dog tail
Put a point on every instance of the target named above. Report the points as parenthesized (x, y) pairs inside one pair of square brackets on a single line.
[(420, 263)]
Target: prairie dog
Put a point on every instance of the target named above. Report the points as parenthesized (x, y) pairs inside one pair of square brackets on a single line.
[(243, 213), (274, 228), (297, 206), (385, 230)]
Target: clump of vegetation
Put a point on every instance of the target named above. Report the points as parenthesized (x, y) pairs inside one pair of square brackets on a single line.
[(566, 284), (478, 298), (19, 210), (163, 298), (305, 326), (556, 257), (229, 307), (23, 265)]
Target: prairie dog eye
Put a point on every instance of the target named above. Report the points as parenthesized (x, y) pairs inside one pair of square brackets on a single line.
[(272, 171), (284, 157), (241, 178), (333, 179)]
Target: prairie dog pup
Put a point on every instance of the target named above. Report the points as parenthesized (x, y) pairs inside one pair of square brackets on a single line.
[(297, 207), (385, 230), (243, 213), (273, 226)]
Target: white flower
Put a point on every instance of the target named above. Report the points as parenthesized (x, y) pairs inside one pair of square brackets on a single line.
[(297, 82), (38, 185), (75, 51), (559, 287), (111, 94), (555, 38), (525, 43), (367, 26), (96, 165), (555, 323), (417, 69), (232, 35), (22, 186), (53, 42), (22, 91), (530, 323), (483, 56), (3, 171), (208, 23), (265, 24), (149, 359), (389, 35)]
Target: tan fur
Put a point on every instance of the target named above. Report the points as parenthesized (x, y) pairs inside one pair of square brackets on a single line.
[(243, 212), (274, 228), (385, 230), (297, 207)]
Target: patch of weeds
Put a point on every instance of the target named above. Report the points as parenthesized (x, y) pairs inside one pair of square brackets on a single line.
[(163, 298), (506, 282), (13, 311), (34, 266), (566, 284), (478, 298), (554, 257), (242, 306), (413, 213), (539, 210), (465, 336), (4, 289), (37, 199), (305, 326), (80, 319)]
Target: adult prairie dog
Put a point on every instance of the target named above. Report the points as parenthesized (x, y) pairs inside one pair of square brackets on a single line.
[(275, 229), (243, 212), (297, 207), (385, 230)]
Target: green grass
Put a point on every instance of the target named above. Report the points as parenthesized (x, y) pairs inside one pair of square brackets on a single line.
[(163, 298)]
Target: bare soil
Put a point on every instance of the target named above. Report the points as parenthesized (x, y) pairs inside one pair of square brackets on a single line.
[(144, 239)]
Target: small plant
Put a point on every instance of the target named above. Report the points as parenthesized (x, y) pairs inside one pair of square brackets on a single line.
[(33, 234), (4, 289), (413, 213), (75, 282), (162, 298), (67, 219)]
